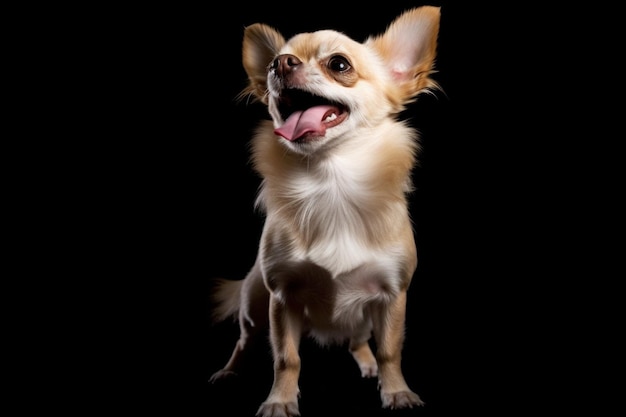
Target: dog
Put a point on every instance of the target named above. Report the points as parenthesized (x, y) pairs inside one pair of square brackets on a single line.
[(337, 250)]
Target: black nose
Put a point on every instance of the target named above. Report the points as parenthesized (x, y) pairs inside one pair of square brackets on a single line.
[(284, 64)]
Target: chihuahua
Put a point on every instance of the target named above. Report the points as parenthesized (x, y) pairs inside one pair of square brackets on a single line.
[(337, 250)]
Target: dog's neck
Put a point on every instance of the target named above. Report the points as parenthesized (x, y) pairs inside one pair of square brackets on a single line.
[(355, 189)]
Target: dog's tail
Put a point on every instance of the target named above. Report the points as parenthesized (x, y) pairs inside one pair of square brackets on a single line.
[(225, 299)]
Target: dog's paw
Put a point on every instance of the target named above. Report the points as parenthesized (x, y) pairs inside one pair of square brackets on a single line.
[(278, 410), (401, 399), (222, 374), (369, 370), (365, 359)]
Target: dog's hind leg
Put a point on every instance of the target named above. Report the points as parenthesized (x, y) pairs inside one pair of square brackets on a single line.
[(253, 322), (362, 354)]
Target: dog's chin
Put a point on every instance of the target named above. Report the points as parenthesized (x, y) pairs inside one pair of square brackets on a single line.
[(307, 144)]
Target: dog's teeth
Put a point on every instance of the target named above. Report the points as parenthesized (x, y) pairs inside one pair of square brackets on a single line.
[(330, 118)]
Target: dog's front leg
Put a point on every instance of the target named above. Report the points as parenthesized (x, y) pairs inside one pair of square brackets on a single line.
[(389, 321), (285, 333)]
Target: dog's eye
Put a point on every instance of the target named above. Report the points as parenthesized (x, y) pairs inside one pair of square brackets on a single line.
[(339, 64)]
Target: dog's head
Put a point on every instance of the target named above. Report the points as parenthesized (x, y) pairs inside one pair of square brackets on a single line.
[(322, 87)]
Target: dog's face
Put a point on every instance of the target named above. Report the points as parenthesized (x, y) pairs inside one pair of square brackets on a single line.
[(322, 88)]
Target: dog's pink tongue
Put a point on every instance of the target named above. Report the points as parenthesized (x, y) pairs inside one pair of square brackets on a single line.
[(302, 122)]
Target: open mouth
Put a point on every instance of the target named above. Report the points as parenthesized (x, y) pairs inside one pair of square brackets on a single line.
[(307, 115)]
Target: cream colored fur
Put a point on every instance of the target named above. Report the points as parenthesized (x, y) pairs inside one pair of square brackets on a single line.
[(337, 253)]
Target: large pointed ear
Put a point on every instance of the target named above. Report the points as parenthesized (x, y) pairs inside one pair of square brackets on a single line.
[(261, 44), (409, 47)]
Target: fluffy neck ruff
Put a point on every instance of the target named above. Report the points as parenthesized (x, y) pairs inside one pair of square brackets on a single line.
[(356, 190)]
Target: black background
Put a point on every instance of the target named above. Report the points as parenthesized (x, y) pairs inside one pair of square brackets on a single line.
[(180, 212)]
